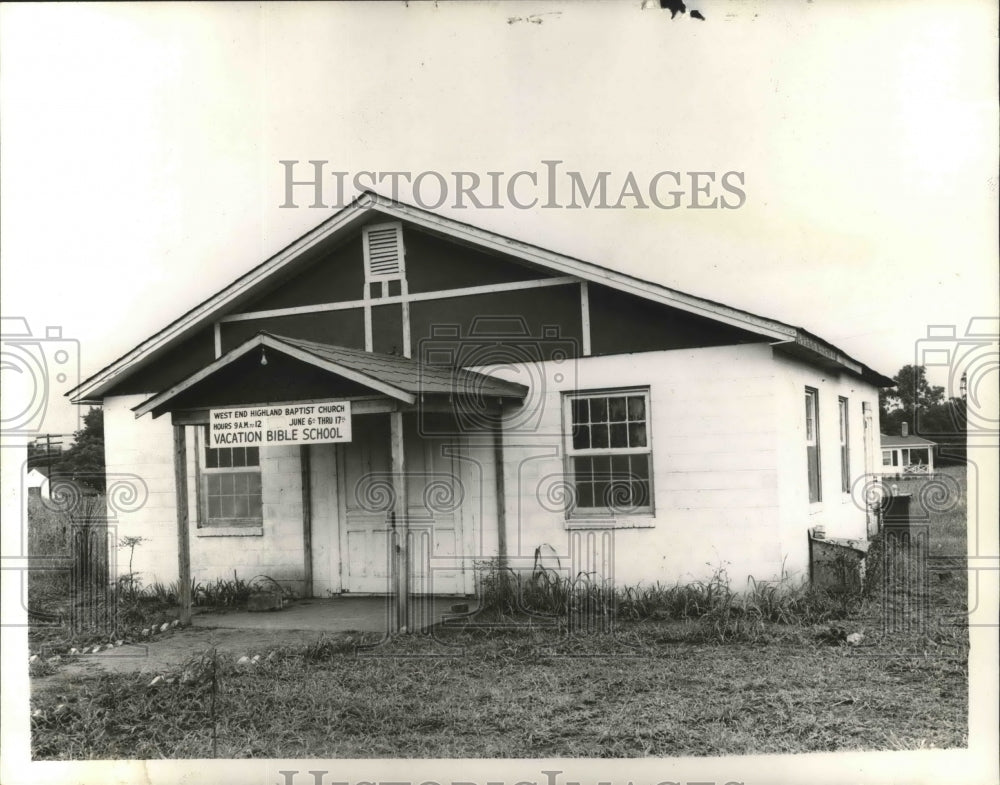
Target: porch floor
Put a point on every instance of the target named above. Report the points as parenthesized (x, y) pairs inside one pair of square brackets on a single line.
[(338, 614)]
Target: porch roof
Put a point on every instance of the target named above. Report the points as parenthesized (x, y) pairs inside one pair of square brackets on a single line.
[(904, 441), (402, 378)]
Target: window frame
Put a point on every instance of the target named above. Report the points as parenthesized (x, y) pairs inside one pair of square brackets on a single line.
[(843, 409), (207, 524), (813, 443), (583, 515)]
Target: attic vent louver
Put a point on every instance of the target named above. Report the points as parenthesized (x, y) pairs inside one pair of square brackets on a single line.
[(383, 252)]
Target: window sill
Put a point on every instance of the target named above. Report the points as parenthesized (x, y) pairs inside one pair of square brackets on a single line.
[(611, 523), (230, 531)]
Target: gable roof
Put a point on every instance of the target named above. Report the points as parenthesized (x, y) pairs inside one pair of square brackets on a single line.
[(369, 204), (904, 441), (398, 377)]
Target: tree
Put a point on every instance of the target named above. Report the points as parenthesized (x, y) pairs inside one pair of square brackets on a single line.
[(912, 392), (945, 424), (923, 406), (84, 461)]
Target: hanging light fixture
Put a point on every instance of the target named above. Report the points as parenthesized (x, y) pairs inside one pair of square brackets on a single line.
[(263, 356)]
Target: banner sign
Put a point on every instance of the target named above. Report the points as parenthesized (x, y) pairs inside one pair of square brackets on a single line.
[(320, 422)]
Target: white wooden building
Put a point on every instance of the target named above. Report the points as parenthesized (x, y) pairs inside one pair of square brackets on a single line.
[(906, 454), (502, 398), (36, 482)]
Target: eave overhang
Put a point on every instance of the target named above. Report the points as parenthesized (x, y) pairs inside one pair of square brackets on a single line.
[(370, 205), (398, 378)]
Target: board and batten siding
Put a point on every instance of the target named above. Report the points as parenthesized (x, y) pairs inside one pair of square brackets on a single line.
[(714, 461), (838, 512)]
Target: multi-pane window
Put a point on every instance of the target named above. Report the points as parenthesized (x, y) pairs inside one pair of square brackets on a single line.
[(608, 452), (812, 444), (230, 485), (845, 454)]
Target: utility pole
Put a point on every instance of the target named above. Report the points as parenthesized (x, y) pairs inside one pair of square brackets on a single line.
[(52, 445)]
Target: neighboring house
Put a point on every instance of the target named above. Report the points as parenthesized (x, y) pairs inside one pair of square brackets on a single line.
[(36, 481), (497, 400), (906, 454)]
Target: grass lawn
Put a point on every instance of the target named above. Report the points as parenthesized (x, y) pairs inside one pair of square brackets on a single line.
[(654, 688), (502, 699)]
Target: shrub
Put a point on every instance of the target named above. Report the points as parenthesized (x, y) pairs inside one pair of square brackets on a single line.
[(720, 613)]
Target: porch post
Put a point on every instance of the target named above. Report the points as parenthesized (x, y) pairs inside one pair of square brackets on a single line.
[(500, 492), (307, 573), (183, 534), (401, 578)]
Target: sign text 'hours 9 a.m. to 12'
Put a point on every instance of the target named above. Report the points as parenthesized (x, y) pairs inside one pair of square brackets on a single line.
[(319, 422)]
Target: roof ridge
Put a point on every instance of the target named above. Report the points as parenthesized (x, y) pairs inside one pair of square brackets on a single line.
[(360, 209)]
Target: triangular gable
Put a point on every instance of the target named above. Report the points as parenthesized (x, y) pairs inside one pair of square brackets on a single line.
[(399, 378), (369, 206)]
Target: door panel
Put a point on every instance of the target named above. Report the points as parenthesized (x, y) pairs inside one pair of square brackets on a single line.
[(325, 519), (365, 494), (435, 497)]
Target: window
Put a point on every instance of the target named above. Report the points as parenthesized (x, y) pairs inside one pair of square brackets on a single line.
[(845, 454), (812, 444), (230, 485), (608, 453), (888, 457)]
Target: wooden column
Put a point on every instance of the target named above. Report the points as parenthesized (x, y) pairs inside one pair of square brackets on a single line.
[(307, 589), (401, 562), (183, 529), (500, 491)]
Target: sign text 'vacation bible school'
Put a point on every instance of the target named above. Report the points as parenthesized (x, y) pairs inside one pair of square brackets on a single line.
[(309, 423)]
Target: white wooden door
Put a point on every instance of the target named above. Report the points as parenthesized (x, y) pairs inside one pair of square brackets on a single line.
[(435, 495), (868, 436), (325, 500), (365, 493)]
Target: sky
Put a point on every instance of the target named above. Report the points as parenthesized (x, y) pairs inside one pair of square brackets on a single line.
[(140, 149)]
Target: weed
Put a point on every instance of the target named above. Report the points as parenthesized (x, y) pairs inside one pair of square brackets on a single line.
[(224, 593), (130, 582)]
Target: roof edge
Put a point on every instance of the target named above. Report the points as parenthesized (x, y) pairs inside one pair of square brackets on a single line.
[(95, 386), (275, 343)]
